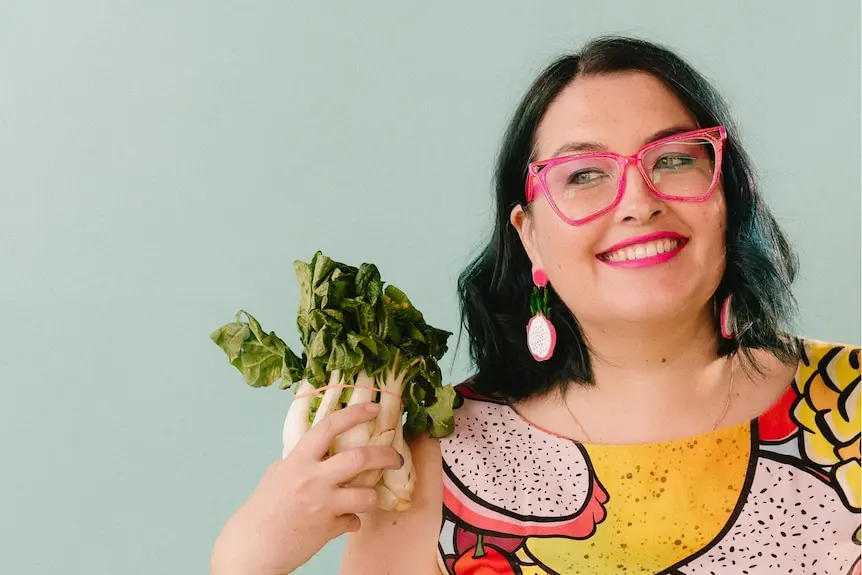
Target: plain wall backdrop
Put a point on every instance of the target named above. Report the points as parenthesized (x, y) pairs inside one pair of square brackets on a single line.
[(163, 163)]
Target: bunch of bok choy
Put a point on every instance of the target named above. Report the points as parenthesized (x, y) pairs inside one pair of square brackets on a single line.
[(362, 342)]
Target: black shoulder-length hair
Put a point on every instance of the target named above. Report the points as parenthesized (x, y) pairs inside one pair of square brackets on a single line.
[(494, 289)]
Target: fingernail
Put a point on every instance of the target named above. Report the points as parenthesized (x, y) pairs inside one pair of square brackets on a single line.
[(372, 407)]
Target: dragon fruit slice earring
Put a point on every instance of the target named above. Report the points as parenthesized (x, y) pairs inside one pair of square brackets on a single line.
[(541, 335), (725, 319)]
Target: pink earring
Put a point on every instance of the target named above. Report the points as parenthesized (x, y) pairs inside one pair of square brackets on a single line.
[(541, 335), (725, 319)]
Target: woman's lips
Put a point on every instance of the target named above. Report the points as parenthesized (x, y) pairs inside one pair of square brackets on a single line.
[(643, 251)]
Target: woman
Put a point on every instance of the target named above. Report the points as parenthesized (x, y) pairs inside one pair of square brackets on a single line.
[(638, 405)]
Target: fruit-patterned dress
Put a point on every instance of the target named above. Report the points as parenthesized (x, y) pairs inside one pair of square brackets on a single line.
[(777, 495)]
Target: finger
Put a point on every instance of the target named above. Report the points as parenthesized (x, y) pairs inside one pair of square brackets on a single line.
[(349, 523), (352, 500), (316, 441), (344, 466)]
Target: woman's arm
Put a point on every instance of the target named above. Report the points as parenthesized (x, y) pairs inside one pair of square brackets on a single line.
[(406, 542)]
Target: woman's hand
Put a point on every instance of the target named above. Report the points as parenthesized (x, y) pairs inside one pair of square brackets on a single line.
[(300, 504)]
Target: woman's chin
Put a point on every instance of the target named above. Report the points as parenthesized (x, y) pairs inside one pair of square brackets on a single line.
[(647, 312)]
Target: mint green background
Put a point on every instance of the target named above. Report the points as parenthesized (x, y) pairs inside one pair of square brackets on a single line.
[(162, 164)]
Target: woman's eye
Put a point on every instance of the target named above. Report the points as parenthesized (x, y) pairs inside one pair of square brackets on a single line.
[(674, 162), (585, 177)]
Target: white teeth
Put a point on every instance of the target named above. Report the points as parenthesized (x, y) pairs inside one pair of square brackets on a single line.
[(641, 251)]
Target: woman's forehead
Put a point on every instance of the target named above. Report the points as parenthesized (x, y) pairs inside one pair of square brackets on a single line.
[(617, 112)]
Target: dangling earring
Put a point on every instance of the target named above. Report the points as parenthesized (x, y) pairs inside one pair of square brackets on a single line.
[(541, 335), (725, 319)]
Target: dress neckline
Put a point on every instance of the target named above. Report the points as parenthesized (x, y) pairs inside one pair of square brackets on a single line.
[(778, 404)]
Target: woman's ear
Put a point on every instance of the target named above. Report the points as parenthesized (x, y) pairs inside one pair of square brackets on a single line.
[(523, 223)]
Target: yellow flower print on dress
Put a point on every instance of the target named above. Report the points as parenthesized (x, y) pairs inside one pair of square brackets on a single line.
[(828, 412)]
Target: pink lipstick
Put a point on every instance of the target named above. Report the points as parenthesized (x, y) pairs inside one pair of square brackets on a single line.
[(643, 251)]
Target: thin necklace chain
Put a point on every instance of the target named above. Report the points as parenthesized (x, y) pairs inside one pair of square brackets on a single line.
[(714, 427)]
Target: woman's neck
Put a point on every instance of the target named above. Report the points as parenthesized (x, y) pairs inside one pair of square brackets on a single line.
[(657, 383), (651, 382), (657, 355)]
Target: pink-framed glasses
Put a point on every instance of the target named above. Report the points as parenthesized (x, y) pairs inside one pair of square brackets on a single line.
[(684, 167)]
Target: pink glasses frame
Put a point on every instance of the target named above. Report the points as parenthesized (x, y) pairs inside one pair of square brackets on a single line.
[(537, 171)]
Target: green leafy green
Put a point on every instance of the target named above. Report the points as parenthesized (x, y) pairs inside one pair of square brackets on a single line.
[(292, 369), (261, 357), (349, 321), (321, 267), (321, 343), (368, 283), (441, 412), (306, 291)]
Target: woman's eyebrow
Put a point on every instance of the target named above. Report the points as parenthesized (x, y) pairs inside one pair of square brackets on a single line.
[(584, 147), (673, 131), (578, 148)]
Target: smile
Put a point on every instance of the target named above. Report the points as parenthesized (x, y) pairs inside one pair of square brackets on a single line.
[(646, 251)]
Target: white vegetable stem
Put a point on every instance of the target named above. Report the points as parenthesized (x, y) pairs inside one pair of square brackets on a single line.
[(330, 397), (364, 392), (401, 481), (394, 487), (372, 476), (381, 431), (390, 402), (296, 421)]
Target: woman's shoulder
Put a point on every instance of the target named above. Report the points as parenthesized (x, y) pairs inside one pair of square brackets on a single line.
[(821, 371), (479, 417), (469, 390), (819, 354), (816, 423), (820, 407), (826, 384), (826, 395), (403, 541)]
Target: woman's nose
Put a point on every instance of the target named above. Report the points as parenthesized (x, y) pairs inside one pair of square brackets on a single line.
[(639, 203)]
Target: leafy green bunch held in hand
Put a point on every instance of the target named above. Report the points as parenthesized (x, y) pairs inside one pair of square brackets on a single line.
[(362, 342)]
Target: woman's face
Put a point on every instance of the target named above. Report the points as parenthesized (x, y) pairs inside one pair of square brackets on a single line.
[(622, 112)]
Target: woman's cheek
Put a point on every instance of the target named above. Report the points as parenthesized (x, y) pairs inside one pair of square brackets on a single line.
[(720, 213), (566, 254)]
